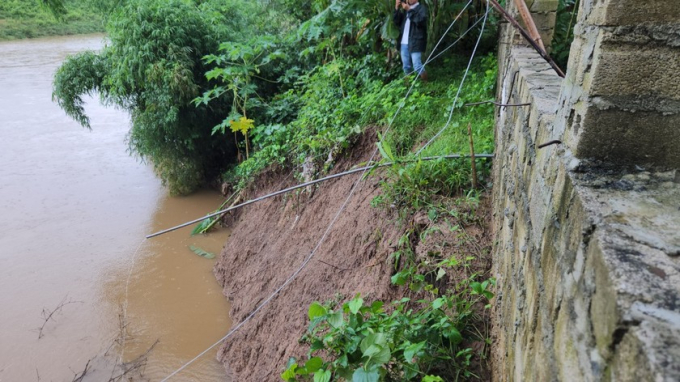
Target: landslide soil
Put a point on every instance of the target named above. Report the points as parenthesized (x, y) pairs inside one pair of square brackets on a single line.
[(271, 239)]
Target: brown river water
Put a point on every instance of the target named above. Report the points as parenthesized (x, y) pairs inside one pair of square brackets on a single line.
[(74, 210)]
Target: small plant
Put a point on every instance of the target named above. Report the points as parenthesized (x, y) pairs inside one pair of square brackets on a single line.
[(407, 340), (238, 65)]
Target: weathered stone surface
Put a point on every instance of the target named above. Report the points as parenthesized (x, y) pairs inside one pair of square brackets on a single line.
[(545, 23), (543, 14), (629, 12), (630, 138), (587, 254)]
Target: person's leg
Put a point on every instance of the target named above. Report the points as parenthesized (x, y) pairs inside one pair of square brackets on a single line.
[(416, 58), (406, 59)]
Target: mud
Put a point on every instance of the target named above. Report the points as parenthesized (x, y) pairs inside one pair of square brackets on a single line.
[(270, 240)]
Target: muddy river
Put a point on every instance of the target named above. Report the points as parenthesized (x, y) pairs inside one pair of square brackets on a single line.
[(74, 210)]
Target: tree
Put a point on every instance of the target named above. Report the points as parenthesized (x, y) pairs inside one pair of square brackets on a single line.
[(153, 68)]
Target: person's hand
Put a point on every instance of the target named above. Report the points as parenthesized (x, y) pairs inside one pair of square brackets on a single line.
[(405, 6), (396, 5)]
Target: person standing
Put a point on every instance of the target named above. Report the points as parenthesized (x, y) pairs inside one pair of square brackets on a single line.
[(411, 18)]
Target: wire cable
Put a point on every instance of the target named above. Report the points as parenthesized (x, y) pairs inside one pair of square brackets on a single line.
[(427, 61), (460, 87), (301, 185), (302, 266)]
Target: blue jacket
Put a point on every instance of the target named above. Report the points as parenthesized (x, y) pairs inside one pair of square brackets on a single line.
[(417, 37)]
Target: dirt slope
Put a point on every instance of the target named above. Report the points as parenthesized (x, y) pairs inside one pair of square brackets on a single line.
[(269, 242), (271, 239)]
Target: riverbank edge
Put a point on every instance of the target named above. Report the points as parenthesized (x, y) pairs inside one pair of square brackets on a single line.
[(13, 30), (270, 240)]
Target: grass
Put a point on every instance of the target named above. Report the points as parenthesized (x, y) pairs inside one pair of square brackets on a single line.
[(21, 19), (415, 185)]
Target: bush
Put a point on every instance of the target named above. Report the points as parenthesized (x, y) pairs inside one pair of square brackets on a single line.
[(154, 68), (410, 340)]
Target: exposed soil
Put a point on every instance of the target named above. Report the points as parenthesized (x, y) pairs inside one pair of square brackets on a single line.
[(271, 239)]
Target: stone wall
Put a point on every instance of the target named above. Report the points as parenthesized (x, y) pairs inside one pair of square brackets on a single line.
[(587, 246)]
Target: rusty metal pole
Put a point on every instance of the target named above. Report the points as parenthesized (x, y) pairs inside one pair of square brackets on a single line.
[(527, 37), (529, 22)]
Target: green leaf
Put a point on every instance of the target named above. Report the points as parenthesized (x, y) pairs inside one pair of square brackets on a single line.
[(316, 345), (400, 278), (411, 351), (202, 227), (410, 373), (335, 320), (316, 310), (322, 376), (372, 339), (436, 304), (313, 364), (356, 304), (381, 357), (289, 374), (361, 375), (201, 252), (476, 288), (372, 350), (375, 347), (454, 335), (432, 378)]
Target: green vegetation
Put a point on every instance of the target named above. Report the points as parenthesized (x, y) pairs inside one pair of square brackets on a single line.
[(154, 68), (186, 71), (438, 332), (213, 95), (414, 185), (567, 11), (28, 18), (407, 340)]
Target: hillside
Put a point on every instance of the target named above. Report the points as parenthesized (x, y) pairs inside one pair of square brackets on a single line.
[(270, 240)]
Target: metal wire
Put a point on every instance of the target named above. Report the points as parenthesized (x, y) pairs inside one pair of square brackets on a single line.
[(311, 255), (292, 188), (460, 87)]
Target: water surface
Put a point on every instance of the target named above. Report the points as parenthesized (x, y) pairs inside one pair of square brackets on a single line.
[(74, 210)]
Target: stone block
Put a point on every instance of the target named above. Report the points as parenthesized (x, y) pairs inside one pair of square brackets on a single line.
[(603, 314), (629, 138), (544, 21), (628, 12), (637, 77)]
